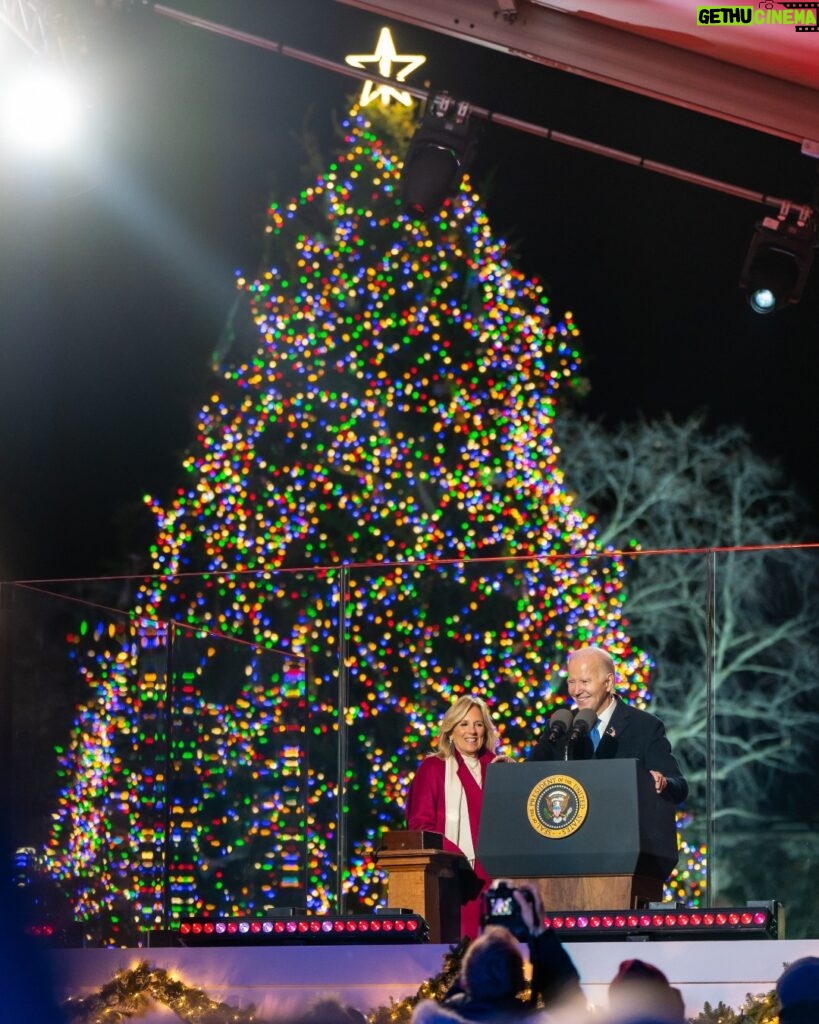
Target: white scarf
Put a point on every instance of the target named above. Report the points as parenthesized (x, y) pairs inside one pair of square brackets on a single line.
[(457, 828)]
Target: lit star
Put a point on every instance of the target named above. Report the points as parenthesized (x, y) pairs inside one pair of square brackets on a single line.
[(385, 57)]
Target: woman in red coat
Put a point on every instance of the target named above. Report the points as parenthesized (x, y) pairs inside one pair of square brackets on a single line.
[(446, 794)]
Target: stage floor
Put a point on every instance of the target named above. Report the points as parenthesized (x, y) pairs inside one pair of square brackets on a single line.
[(279, 980)]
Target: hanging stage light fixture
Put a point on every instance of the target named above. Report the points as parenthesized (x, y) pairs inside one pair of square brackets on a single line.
[(438, 156), (779, 258)]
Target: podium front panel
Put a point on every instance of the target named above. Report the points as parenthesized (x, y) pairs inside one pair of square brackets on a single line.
[(575, 818)]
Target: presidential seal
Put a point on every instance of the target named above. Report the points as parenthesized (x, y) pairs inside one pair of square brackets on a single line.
[(557, 806)]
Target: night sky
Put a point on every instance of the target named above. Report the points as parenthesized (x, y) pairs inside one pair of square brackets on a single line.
[(117, 273)]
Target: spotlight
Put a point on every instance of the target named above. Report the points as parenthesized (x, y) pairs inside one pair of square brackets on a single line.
[(779, 258), (438, 155), (40, 110)]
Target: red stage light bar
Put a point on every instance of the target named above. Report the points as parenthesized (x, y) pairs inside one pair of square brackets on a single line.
[(754, 921), (316, 929)]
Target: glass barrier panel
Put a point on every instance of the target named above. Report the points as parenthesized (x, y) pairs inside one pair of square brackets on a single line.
[(163, 770), (235, 843), (422, 635), (665, 614), (59, 754), (765, 724)]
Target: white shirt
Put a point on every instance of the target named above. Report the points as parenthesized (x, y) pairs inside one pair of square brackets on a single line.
[(604, 717)]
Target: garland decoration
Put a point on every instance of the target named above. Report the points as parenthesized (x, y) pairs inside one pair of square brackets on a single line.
[(130, 994), (762, 1008)]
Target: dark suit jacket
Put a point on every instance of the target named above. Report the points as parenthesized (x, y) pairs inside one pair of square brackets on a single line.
[(631, 733)]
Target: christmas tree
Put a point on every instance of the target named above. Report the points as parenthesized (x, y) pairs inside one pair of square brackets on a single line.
[(372, 521)]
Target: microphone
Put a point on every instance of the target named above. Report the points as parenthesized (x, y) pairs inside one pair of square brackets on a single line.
[(559, 724), (583, 724)]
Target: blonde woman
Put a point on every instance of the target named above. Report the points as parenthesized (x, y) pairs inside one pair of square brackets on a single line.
[(447, 792)]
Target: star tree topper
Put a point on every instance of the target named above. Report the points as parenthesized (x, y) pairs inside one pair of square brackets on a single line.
[(385, 56)]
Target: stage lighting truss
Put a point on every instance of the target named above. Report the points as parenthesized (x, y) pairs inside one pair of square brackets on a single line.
[(779, 258), (386, 928), (763, 920), (438, 156), (48, 28)]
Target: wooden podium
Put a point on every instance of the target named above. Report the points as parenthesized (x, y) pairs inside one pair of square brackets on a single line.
[(615, 853), (423, 878)]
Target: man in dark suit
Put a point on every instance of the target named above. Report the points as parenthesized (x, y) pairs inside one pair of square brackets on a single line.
[(620, 730)]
